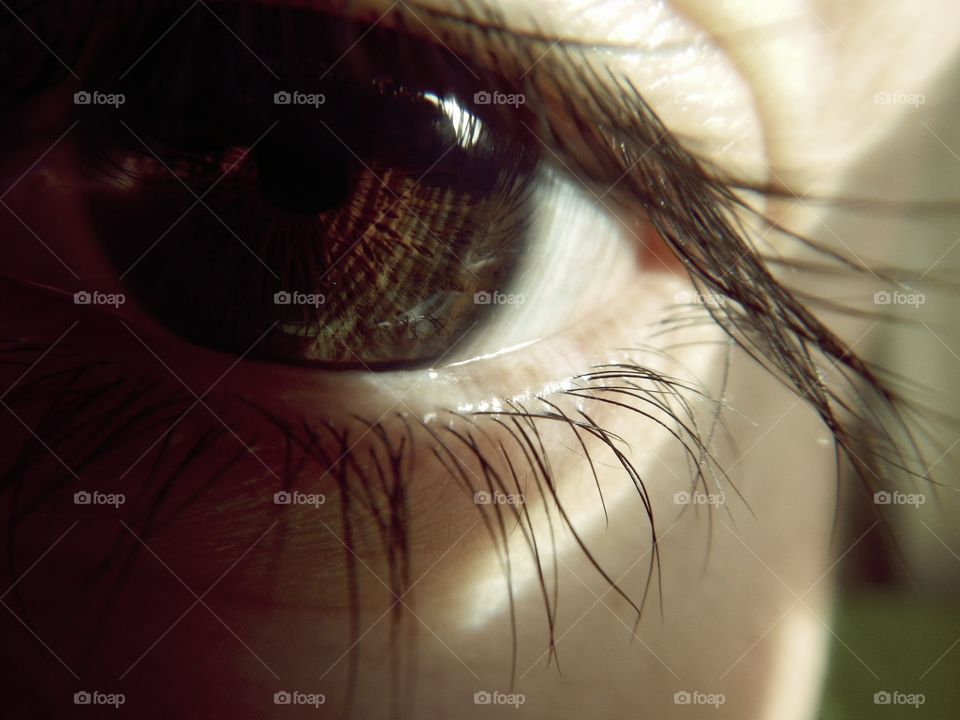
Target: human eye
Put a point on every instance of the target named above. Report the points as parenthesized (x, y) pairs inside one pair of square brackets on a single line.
[(368, 333), (388, 219)]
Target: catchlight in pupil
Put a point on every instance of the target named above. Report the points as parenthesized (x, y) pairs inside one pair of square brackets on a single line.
[(466, 127), (303, 172)]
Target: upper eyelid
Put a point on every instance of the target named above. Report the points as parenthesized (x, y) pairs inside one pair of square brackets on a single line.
[(474, 28), (561, 93), (531, 55)]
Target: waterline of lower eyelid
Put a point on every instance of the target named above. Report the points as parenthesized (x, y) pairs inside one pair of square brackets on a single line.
[(488, 356), (534, 369), (499, 404)]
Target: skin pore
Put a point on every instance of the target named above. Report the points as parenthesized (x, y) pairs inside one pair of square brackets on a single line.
[(229, 600)]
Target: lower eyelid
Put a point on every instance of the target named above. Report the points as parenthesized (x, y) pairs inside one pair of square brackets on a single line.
[(251, 434)]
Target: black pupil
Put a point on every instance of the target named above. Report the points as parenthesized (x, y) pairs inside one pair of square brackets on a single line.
[(302, 173)]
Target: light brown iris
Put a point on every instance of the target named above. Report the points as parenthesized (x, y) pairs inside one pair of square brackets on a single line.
[(398, 267)]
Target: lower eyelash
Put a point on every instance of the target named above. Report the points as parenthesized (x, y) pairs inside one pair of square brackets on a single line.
[(82, 422)]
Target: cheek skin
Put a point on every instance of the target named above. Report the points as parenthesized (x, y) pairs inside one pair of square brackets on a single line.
[(286, 596), (463, 600)]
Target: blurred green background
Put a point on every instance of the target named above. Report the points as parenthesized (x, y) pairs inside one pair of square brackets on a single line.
[(910, 642)]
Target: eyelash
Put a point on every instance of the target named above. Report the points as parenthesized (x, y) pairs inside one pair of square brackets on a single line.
[(692, 206)]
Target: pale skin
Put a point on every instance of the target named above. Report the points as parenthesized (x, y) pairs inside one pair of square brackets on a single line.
[(740, 608)]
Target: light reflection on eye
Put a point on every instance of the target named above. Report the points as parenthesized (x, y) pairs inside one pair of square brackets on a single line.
[(467, 126)]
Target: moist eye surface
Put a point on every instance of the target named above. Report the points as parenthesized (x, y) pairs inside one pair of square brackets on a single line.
[(335, 207)]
